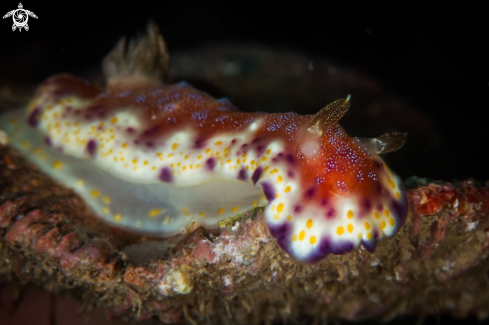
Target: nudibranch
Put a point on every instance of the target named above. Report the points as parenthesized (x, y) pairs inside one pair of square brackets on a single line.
[(153, 158)]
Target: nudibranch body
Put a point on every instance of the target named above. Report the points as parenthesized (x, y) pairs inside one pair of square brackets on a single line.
[(154, 158)]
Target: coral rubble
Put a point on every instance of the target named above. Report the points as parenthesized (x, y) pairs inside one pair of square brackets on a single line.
[(436, 264)]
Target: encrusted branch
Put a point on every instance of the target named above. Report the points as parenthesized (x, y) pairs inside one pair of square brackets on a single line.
[(436, 264)]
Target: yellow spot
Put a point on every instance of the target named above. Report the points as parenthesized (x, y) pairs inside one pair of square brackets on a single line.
[(386, 213), (175, 146), (184, 210), (392, 222), (228, 161), (287, 189), (382, 225), (220, 211), (369, 235), (266, 168), (280, 207), (312, 240), (340, 230), (25, 144), (273, 171), (398, 195), (376, 215), (269, 151), (207, 150), (294, 238), (279, 179), (391, 184), (105, 210), (202, 214), (95, 193), (235, 209), (126, 165), (68, 100), (134, 161), (264, 159), (243, 156), (186, 157), (166, 221), (178, 164), (218, 143), (122, 158), (276, 216), (153, 168), (309, 223), (124, 145), (57, 164), (198, 165), (114, 120), (302, 234), (276, 195), (349, 228), (254, 204), (252, 162), (350, 214), (135, 168), (117, 218), (170, 155), (367, 225), (184, 167), (154, 212), (238, 161), (172, 165), (106, 200), (199, 157), (79, 183)]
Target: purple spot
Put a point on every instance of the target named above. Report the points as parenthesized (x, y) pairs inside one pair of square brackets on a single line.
[(234, 141), (32, 120), (298, 208), (269, 191), (136, 141), (130, 130), (378, 165), (88, 116), (367, 204), (242, 174), (69, 109), (165, 175), (310, 193), (290, 159), (152, 131), (380, 208), (259, 150), (244, 145), (92, 147), (256, 174), (331, 213), (199, 143), (370, 244), (48, 141), (324, 202), (150, 144), (323, 250), (341, 247), (255, 140), (282, 234), (210, 164), (290, 174)]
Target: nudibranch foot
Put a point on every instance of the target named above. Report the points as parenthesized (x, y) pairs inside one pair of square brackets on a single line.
[(153, 158)]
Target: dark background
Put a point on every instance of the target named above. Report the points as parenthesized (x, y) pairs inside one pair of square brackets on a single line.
[(435, 59)]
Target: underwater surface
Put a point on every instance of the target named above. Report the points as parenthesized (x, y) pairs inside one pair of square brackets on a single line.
[(408, 69)]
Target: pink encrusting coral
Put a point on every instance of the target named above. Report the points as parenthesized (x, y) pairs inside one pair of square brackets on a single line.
[(153, 158)]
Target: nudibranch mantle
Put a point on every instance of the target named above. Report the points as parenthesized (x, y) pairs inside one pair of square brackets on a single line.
[(153, 158)]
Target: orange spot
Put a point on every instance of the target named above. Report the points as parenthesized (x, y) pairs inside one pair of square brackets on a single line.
[(287, 189), (309, 223), (235, 209), (114, 120), (386, 213), (269, 151), (382, 225), (220, 211), (280, 207), (398, 195), (376, 215), (391, 184)]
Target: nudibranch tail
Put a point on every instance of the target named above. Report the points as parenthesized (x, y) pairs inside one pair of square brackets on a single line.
[(154, 158)]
